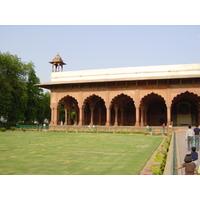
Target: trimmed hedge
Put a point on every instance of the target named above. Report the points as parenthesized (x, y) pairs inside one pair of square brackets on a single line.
[(111, 132), (12, 128), (2, 129), (161, 157)]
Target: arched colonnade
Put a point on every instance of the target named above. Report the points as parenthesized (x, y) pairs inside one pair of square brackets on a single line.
[(123, 110)]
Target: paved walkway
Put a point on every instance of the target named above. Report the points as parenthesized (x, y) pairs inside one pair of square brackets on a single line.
[(182, 145)]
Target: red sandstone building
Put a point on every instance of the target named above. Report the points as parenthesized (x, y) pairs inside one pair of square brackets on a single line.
[(130, 96)]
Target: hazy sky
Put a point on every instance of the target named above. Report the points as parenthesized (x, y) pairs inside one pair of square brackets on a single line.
[(94, 47)]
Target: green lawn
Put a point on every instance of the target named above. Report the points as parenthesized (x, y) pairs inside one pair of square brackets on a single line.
[(58, 153)]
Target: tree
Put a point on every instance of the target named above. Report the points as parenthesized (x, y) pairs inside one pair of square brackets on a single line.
[(33, 94), (38, 104), (19, 99), (13, 95), (43, 111)]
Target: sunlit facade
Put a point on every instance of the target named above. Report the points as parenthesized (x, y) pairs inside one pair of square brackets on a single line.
[(130, 96)]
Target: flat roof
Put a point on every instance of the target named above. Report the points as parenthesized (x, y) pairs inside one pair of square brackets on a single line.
[(124, 74)]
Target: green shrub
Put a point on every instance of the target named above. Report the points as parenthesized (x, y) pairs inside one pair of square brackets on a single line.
[(169, 139), (166, 144), (3, 129), (12, 128), (71, 131), (141, 132), (57, 131), (146, 133), (161, 158), (164, 152), (90, 131), (122, 132), (105, 131), (156, 134), (156, 170)]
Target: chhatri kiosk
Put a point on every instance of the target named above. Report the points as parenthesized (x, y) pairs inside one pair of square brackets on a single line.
[(128, 96)]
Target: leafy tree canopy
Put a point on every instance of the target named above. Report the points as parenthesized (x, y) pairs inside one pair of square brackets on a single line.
[(19, 99)]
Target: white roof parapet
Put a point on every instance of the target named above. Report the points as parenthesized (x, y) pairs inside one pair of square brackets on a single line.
[(128, 73)]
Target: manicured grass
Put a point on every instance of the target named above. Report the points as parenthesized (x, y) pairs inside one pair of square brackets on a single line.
[(58, 153)]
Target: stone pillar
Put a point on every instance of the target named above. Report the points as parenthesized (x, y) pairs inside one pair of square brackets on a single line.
[(168, 115), (53, 68), (122, 116), (81, 116), (168, 105), (108, 110), (57, 116), (142, 116), (137, 103), (116, 115), (65, 116), (92, 115), (137, 116), (145, 116), (58, 67), (69, 116), (76, 117), (52, 123), (99, 121)]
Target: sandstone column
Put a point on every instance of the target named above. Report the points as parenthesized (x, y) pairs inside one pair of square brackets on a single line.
[(108, 116), (116, 115), (92, 115), (52, 123), (137, 116), (122, 116), (142, 115), (65, 116), (168, 115), (57, 116), (99, 121), (81, 116)]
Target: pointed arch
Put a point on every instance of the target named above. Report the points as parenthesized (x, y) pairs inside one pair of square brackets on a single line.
[(120, 98), (186, 95), (185, 109), (123, 110), (93, 99), (94, 110), (147, 99), (153, 109), (68, 110)]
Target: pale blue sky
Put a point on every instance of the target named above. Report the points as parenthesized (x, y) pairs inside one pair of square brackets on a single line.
[(97, 47), (94, 47)]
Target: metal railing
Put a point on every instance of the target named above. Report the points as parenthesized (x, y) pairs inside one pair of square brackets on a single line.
[(171, 157), (173, 143), (108, 128), (96, 128), (32, 126)]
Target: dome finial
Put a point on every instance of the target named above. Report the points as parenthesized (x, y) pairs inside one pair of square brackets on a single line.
[(57, 63)]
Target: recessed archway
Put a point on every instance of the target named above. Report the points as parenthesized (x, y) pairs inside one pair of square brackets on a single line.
[(94, 111), (185, 109), (155, 111), (123, 111), (68, 111)]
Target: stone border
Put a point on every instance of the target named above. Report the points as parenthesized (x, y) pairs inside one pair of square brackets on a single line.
[(146, 169)]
